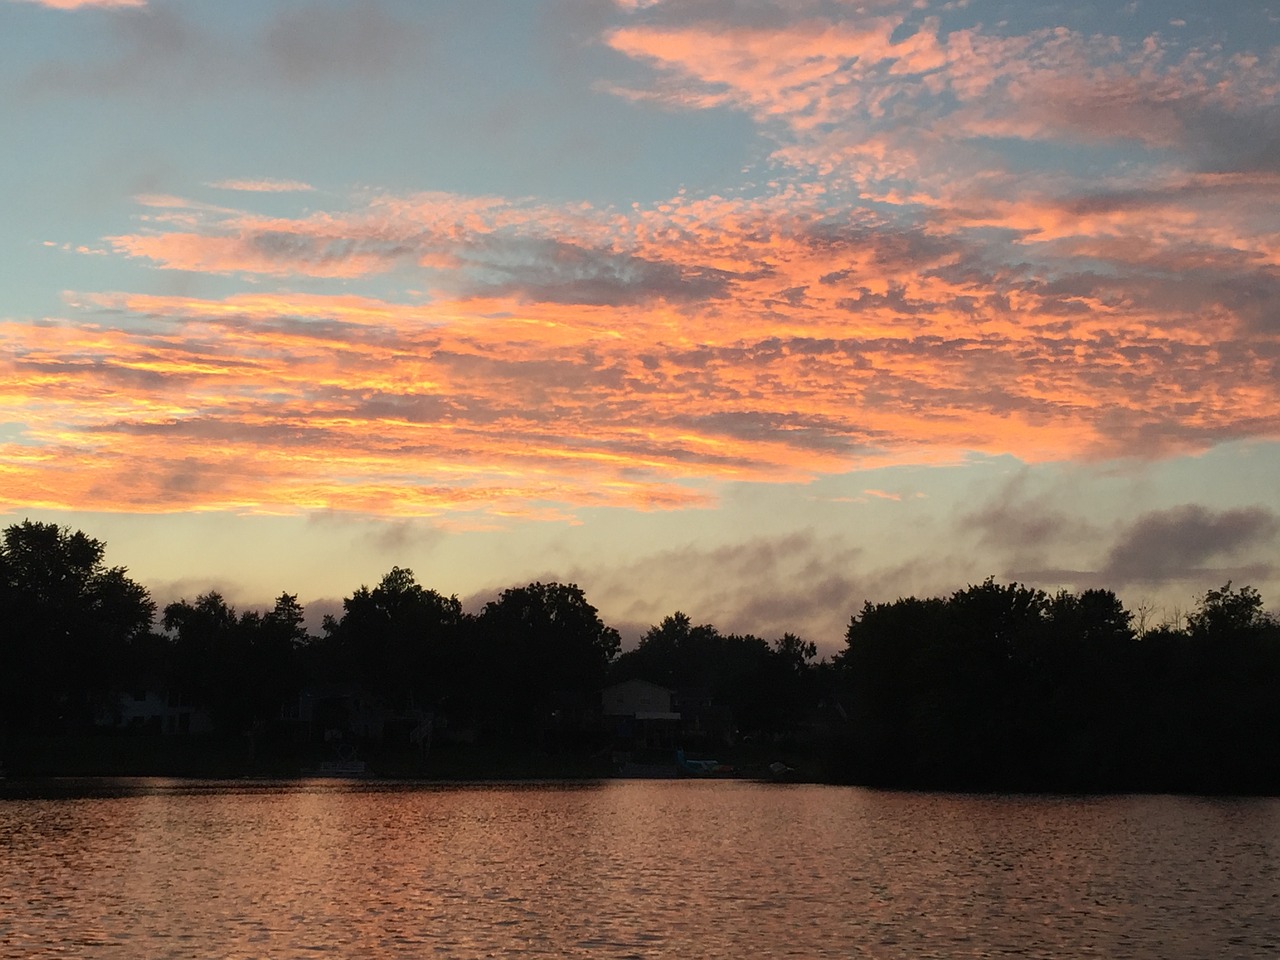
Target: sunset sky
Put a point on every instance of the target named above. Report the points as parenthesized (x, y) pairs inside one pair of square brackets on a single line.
[(755, 309)]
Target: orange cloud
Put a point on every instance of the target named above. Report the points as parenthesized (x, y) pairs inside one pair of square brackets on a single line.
[(895, 294), (852, 98), (837, 347)]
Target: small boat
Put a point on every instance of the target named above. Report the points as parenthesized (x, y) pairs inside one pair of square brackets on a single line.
[(343, 766), (687, 767)]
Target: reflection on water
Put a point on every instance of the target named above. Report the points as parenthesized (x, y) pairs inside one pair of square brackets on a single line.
[(629, 869)]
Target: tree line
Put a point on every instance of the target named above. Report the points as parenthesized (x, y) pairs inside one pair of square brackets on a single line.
[(997, 686), (1001, 686), (78, 633)]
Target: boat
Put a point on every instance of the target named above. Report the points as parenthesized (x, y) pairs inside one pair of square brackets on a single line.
[(339, 769), (343, 766), (687, 767)]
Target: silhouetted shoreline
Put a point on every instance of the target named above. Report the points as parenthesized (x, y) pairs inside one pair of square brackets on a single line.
[(997, 687)]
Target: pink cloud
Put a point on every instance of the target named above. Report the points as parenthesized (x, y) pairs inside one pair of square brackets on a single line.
[(263, 186), (850, 99), (839, 344), (78, 4)]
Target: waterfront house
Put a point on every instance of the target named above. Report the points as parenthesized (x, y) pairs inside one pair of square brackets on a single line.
[(639, 714), (167, 711)]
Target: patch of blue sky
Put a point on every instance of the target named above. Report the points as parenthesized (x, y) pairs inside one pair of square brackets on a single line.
[(16, 432), (470, 106), (1078, 162)]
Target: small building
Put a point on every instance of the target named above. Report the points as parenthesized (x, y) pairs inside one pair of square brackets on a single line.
[(337, 712), (702, 719), (640, 715), (164, 711), (640, 700)]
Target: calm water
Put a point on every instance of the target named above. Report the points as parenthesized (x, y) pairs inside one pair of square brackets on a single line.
[(630, 869)]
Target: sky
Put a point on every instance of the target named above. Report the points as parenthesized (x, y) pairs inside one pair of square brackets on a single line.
[(753, 309)]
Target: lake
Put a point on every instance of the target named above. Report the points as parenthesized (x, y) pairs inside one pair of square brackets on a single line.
[(627, 869)]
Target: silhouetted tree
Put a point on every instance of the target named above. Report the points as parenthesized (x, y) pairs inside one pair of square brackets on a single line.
[(276, 639), (544, 648), (1230, 711), (764, 688), (1226, 614), (209, 658), (793, 689), (396, 639), (66, 622), (1001, 686), (674, 653)]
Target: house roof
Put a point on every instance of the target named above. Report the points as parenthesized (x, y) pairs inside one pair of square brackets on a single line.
[(638, 683)]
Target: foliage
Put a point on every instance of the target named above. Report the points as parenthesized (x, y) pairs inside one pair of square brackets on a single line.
[(241, 667), (68, 623), (545, 649), (763, 688), (394, 638), (1005, 687)]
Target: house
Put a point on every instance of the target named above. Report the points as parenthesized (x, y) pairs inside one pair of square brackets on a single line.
[(702, 719), (337, 711), (165, 711), (640, 714), (640, 700)]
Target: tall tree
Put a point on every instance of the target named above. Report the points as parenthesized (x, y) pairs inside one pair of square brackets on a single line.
[(396, 638), (543, 644), (1228, 613), (210, 653), (241, 667), (66, 620)]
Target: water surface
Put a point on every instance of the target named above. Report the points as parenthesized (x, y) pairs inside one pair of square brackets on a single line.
[(629, 869)]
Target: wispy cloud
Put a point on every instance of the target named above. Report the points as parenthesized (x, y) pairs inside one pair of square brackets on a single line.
[(573, 356), (264, 186), (79, 4), (163, 50)]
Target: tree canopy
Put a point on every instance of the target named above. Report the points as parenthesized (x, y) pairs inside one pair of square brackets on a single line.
[(67, 622)]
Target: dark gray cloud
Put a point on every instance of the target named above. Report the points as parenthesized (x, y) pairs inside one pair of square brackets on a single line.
[(1026, 521), (760, 14), (1248, 141), (1177, 543), (165, 50), (314, 42), (288, 432), (144, 44), (808, 431), (766, 585), (393, 537), (556, 271), (314, 612), (306, 253)]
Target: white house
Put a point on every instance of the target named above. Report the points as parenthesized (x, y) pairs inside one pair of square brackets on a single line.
[(639, 700), (169, 711)]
